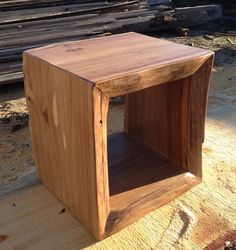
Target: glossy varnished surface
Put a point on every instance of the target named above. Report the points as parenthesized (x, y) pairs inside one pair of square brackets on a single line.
[(140, 180), (158, 116), (132, 164), (68, 87), (99, 60), (61, 123)]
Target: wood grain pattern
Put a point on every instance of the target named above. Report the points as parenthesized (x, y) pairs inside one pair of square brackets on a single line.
[(35, 222), (158, 116), (199, 85), (140, 180), (62, 130), (135, 61), (170, 117), (107, 183), (100, 106)]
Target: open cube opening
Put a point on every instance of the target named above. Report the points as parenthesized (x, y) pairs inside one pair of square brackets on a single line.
[(148, 159), (107, 183)]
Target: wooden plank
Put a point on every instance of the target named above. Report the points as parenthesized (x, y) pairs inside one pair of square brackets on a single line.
[(19, 5), (214, 9), (46, 22), (64, 7), (43, 16), (53, 37), (140, 181), (148, 70), (45, 31), (199, 84), (61, 133), (14, 66), (11, 78), (10, 16)]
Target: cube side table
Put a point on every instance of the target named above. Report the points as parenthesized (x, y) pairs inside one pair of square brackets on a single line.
[(109, 182)]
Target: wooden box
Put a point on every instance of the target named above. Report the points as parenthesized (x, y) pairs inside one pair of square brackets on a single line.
[(107, 183)]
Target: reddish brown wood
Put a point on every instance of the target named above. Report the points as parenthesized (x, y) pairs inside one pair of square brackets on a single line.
[(199, 83), (140, 180), (109, 183), (158, 116)]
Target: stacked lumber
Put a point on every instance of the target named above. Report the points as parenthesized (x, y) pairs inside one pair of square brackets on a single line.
[(26, 24), (229, 7)]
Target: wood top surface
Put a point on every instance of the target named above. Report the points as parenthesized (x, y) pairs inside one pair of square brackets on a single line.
[(100, 59)]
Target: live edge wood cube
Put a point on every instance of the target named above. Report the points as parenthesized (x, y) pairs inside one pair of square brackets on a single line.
[(109, 182)]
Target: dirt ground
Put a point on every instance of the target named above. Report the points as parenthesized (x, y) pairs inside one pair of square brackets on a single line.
[(219, 150)]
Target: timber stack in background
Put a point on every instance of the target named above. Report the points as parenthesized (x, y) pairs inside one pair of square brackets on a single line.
[(229, 7), (26, 24)]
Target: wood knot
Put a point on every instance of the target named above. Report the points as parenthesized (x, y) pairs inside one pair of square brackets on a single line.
[(45, 115), (3, 237), (71, 48), (62, 211)]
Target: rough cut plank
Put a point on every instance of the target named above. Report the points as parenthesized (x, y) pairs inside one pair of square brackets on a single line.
[(48, 22), (29, 4), (65, 13), (100, 109), (11, 78), (69, 26)]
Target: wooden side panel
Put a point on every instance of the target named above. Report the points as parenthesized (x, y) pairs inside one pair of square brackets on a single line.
[(100, 105), (199, 84), (62, 131), (158, 117), (170, 117)]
